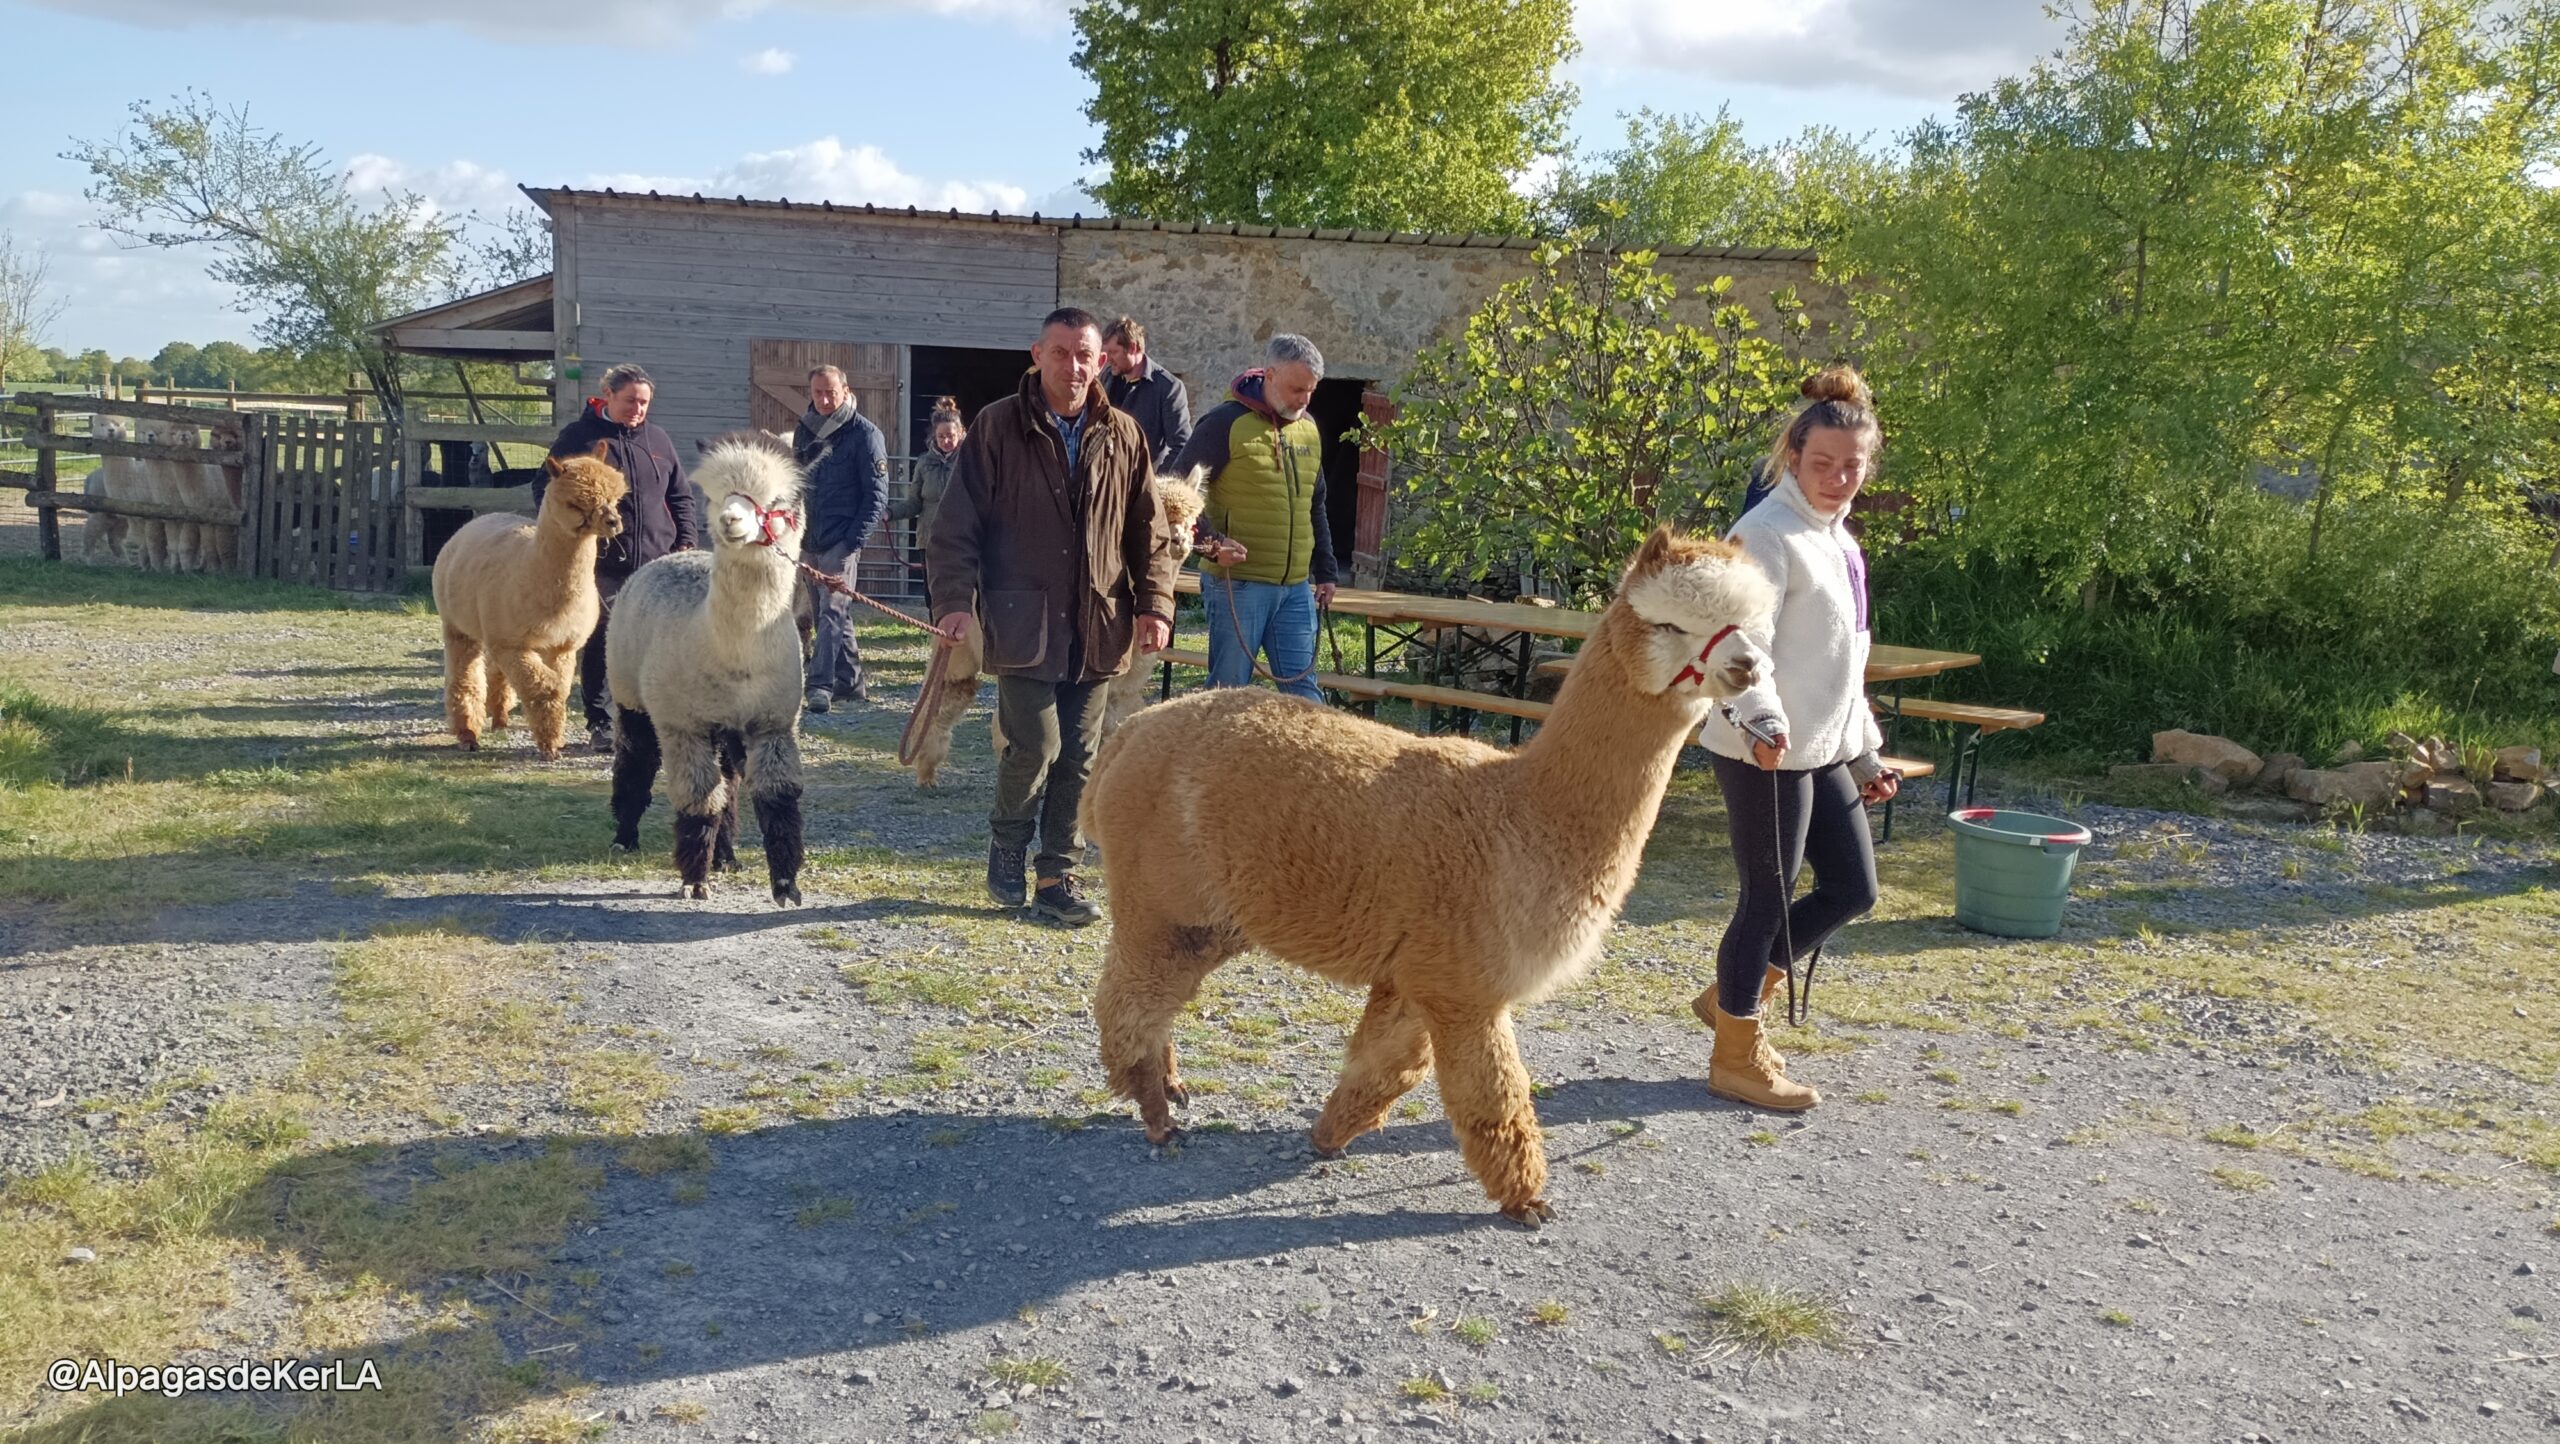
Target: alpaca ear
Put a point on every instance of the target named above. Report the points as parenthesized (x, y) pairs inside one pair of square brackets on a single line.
[(551, 466), (1656, 549), (601, 449)]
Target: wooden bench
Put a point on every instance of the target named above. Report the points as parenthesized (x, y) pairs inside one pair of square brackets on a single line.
[(1368, 689), (1984, 720)]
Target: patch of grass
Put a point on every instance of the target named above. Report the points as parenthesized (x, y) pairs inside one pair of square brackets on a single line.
[(825, 1211), (1484, 1393), (682, 1411), (1038, 1371), (1766, 1321), (1761, 1138), (743, 1118), (1872, 1095), (2116, 1319), (1551, 1312), (1423, 1389), (994, 1424), (1672, 1345), (2232, 1135), (2011, 1106), (2243, 1180), (676, 1268), (1474, 1330)]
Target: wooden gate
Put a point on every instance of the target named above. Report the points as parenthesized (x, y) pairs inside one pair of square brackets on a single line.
[(778, 393), (323, 503)]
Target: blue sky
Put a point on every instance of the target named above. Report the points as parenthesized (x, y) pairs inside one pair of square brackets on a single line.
[(945, 102)]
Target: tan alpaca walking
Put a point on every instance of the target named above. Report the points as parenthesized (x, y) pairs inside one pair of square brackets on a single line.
[(1245, 819), (518, 599)]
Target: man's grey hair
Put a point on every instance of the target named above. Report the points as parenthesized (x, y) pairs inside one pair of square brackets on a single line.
[(626, 374), (831, 370), (1288, 347)]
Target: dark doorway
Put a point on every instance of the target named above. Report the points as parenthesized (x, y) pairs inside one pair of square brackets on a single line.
[(969, 376), (1336, 411)]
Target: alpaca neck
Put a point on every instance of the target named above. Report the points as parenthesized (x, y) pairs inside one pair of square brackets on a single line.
[(750, 587), (1597, 769), (566, 553)]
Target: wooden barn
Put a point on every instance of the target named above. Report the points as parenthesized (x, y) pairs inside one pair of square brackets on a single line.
[(730, 302)]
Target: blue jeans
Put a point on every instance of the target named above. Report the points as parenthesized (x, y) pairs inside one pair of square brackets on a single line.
[(1275, 619)]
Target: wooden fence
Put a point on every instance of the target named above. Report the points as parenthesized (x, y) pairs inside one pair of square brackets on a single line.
[(318, 498)]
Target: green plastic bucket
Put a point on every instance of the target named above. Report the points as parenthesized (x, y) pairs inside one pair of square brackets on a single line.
[(2013, 870)]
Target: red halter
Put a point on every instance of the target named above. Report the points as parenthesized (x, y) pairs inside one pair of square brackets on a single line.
[(1697, 669), (766, 519)]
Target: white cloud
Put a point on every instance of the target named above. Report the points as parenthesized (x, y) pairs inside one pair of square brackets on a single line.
[(827, 169), (452, 188), (633, 22), (768, 61), (1927, 48), (130, 300)]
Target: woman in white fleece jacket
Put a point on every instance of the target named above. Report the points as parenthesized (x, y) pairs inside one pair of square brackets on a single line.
[(1800, 796)]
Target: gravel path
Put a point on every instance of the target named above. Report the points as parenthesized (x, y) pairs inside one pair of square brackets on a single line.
[(2028, 1231)]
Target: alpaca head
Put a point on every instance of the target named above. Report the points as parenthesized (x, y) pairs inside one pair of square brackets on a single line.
[(585, 493), (1181, 499), (109, 428), (1685, 602), (754, 487)]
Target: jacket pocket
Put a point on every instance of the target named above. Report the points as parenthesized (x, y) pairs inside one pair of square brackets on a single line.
[(1116, 637), (1017, 627)]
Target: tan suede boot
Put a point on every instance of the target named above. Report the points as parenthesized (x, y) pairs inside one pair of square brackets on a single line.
[(1709, 1010), (1745, 1069)]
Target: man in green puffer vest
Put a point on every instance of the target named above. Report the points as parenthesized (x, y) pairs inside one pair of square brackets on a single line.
[(1265, 460)]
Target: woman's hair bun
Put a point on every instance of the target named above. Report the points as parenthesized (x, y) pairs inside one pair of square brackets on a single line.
[(1838, 383), (947, 406)]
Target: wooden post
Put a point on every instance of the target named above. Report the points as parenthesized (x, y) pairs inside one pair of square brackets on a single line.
[(48, 521)]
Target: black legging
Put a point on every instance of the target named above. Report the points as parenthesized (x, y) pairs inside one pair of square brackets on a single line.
[(1825, 824)]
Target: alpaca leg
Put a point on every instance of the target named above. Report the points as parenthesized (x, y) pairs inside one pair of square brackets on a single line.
[(155, 545), (773, 778), (1151, 973), (501, 693), (1390, 1053), (462, 688), (1486, 1090), (733, 766), (694, 786), (546, 706), (635, 771)]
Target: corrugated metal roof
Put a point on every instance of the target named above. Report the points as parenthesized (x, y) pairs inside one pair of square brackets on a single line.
[(546, 196)]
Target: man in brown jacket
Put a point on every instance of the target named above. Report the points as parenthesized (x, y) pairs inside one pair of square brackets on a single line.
[(1049, 537)]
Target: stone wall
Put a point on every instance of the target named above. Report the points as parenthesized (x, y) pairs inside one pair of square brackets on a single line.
[(1210, 302)]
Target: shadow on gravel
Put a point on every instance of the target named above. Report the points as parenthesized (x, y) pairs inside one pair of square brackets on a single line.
[(803, 1240)]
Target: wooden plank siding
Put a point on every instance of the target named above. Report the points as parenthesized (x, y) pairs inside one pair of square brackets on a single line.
[(684, 288)]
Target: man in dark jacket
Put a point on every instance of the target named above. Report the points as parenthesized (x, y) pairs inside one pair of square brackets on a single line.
[(660, 514), (1049, 536), (848, 466), (1148, 392)]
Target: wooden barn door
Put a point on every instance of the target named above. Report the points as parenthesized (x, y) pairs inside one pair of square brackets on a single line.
[(778, 394)]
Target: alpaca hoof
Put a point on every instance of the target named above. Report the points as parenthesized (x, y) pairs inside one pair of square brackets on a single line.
[(699, 892), (626, 844), (547, 754), (467, 744), (1536, 1213), (1159, 1137), (786, 893), (1321, 1151), (725, 864), (1176, 1094)]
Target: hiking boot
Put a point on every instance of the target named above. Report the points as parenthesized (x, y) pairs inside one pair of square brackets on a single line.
[(1745, 1069), (820, 699), (1709, 1010), (1062, 900), (1004, 874)]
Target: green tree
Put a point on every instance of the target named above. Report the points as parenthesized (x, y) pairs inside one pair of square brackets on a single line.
[(28, 303), (226, 363), (1575, 413), (182, 362), (318, 268), (1376, 114), (1696, 180), (2208, 239)]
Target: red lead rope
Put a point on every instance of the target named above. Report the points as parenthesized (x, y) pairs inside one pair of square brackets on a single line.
[(928, 697)]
